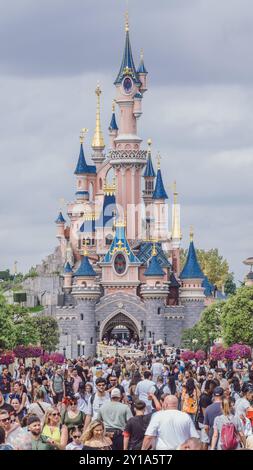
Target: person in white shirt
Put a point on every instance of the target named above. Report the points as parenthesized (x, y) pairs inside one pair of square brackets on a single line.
[(96, 401), (156, 369), (144, 388), (169, 427)]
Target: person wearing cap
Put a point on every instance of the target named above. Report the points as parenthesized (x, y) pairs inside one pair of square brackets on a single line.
[(115, 415), (213, 410)]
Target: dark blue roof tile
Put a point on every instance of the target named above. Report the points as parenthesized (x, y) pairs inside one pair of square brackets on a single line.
[(192, 269), (159, 192)]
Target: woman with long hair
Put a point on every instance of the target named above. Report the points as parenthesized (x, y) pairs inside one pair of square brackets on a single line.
[(19, 392), (189, 398), (53, 428), (227, 418), (94, 437), (17, 415), (72, 416)]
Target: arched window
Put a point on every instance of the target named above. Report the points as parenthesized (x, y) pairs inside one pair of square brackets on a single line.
[(108, 239), (81, 317), (84, 284), (91, 341)]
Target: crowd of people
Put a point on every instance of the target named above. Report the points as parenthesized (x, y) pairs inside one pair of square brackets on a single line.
[(158, 403)]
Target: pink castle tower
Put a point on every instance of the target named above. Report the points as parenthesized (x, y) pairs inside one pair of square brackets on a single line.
[(127, 159)]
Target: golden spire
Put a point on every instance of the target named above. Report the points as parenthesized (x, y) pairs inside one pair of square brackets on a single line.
[(113, 106), (127, 22), (85, 251), (82, 134), (176, 230), (154, 251), (98, 140), (191, 233), (158, 161)]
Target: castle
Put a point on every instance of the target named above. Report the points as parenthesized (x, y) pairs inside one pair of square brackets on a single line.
[(119, 262)]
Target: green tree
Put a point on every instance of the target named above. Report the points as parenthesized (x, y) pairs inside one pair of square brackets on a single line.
[(48, 330), (7, 328), (209, 328), (230, 286), (237, 317), (212, 264)]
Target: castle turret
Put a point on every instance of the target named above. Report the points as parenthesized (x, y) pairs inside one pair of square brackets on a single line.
[(60, 222), (113, 128), (83, 173), (160, 209), (155, 293), (98, 144), (142, 73), (176, 233), (86, 292), (68, 274), (149, 177), (127, 158), (192, 292)]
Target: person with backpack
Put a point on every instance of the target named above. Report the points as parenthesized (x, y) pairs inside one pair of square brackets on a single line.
[(58, 386), (190, 399), (227, 429)]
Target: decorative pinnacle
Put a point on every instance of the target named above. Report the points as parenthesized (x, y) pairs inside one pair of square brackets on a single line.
[(113, 106), (175, 192), (127, 22), (154, 251), (142, 55), (98, 140), (85, 251), (191, 233), (149, 142), (158, 161), (83, 131)]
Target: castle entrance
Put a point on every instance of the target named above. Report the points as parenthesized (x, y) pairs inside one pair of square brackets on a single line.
[(121, 329)]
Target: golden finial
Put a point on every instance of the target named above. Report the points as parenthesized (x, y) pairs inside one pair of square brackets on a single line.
[(113, 106), (85, 251), (142, 55), (127, 22), (158, 161), (149, 142), (83, 131), (98, 140), (191, 233), (154, 251)]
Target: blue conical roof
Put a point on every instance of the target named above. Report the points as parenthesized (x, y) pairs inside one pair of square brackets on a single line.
[(154, 269), (113, 124), (127, 66), (173, 281), (120, 244), (60, 219), (85, 268), (192, 269), (159, 192), (149, 170), (209, 288), (68, 268), (82, 166), (142, 68)]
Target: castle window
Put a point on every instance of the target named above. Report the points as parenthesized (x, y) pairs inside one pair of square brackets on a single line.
[(100, 183), (108, 240), (91, 341), (84, 284), (150, 334), (81, 317)]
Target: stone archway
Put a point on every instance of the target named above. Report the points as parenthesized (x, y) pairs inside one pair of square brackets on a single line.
[(119, 319)]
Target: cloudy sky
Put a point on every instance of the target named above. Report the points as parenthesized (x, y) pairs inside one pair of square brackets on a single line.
[(198, 111)]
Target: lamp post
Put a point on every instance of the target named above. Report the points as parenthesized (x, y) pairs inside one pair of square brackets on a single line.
[(64, 351), (153, 335), (78, 347), (83, 346), (117, 351), (165, 339)]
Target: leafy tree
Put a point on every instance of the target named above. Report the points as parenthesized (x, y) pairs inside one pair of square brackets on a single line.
[(237, 317), (212, 264), (209, 328), (230, 286), (48, 331)]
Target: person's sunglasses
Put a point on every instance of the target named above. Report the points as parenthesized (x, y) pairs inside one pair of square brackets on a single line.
[(76, 437), (56, 414), (5, 420)]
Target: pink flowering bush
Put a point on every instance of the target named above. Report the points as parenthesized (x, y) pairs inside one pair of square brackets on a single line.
[(27, 351), (238, 350), (218, 352), (200, 355), (57, 358), (7, 358), (188, 355)]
